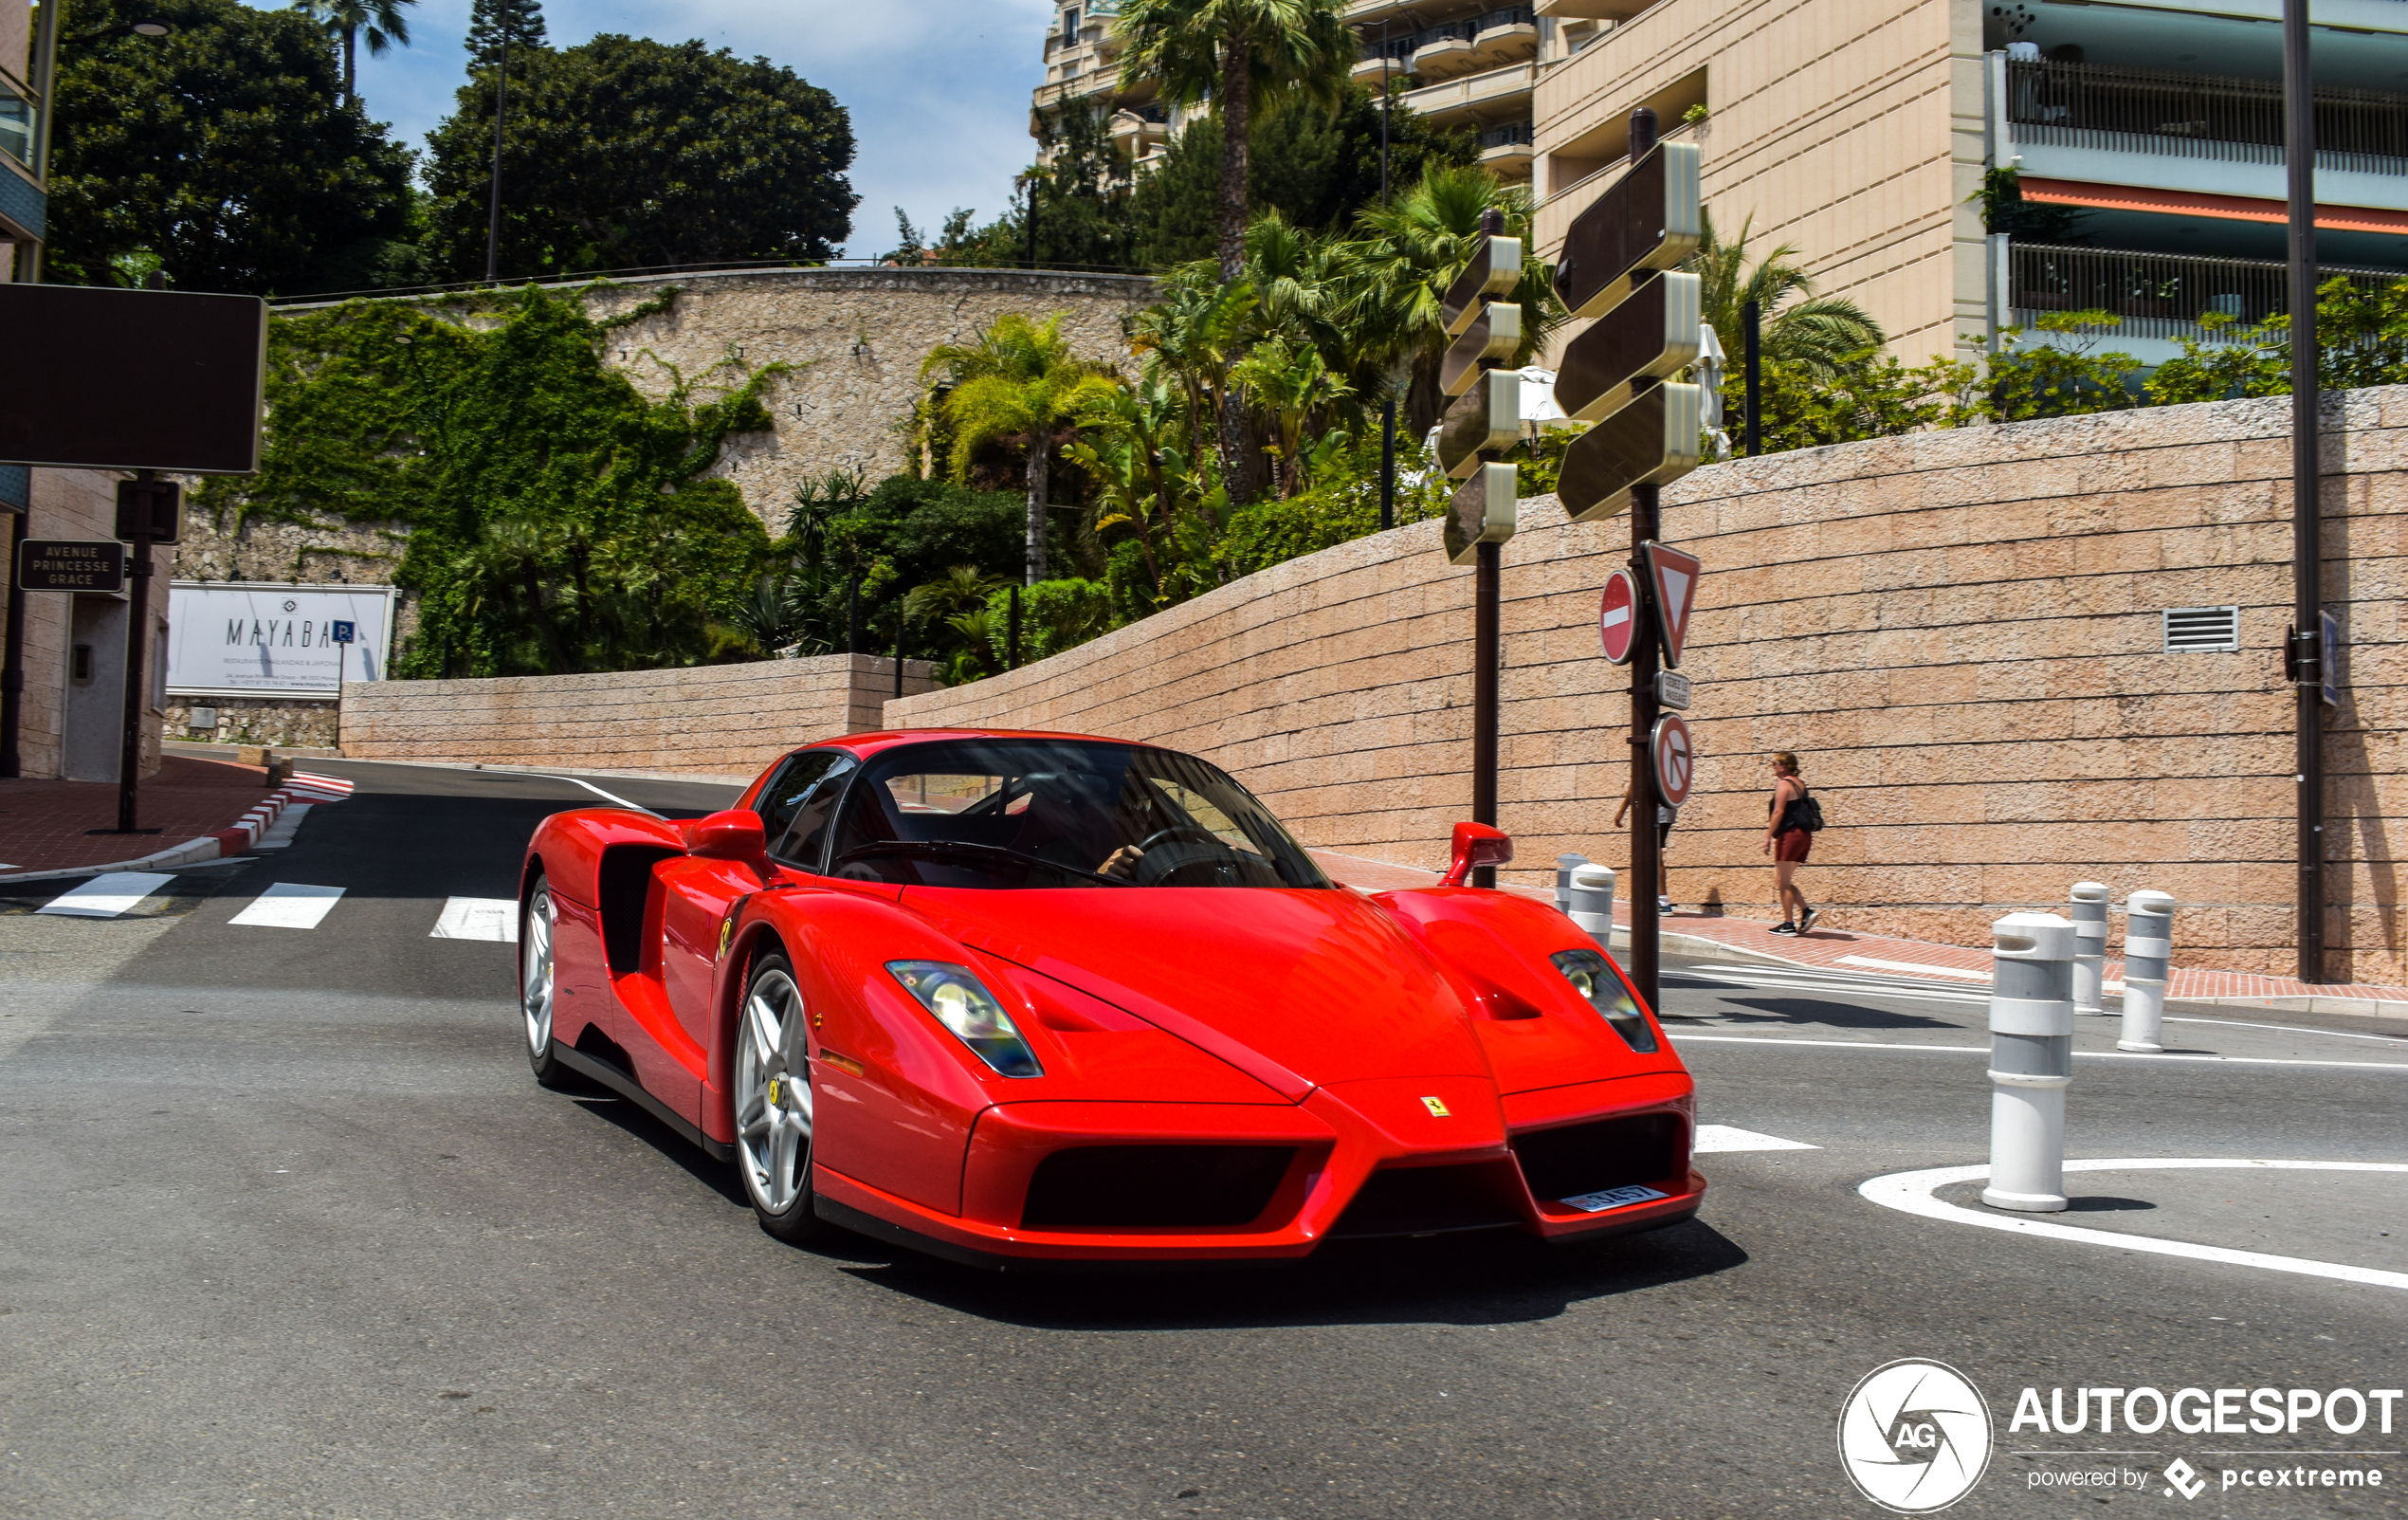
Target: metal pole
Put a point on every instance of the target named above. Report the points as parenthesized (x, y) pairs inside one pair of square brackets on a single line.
[(501, 103), (1388, 407), (1387, 64), (12, 666), (852, 619), (1752, 331), (138, 628), (898, 634), (1032, 219), (1647, 863), (2299, 146), (1485, 650)]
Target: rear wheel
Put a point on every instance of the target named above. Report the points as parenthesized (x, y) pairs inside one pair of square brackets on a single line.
[(538, 986), (774, 1102)]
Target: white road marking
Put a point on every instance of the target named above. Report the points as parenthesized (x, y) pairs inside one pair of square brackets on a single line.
[(289, 905), (314, 795), (1911, 1192), (478, 918), (2292, 1029), (1913, 966), (1714, 1138), (279, 833), (2079, 1055), (598, 792), (1858, 989), (106, 896)]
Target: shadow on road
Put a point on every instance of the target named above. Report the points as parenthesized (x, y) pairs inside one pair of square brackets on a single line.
[(1833, 1014)]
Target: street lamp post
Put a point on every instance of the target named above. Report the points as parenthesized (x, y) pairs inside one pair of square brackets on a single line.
[(2306, 652), (1388, 403)]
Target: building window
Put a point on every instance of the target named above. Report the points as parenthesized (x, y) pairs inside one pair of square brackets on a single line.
[(1070, 24)]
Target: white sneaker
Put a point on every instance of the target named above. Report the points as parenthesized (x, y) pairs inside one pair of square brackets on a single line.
[(1663, 905)]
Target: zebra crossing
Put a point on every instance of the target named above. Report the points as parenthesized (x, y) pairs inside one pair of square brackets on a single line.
[(280, 906)]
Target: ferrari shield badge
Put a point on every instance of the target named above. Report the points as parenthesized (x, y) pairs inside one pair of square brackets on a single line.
[(1437, 1109)]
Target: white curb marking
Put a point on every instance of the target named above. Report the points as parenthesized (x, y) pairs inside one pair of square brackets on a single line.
[(279, 833), (1916, 966), (478, 918), (106, 896), (1715, 1138), (289, 905), (1911, 1192)]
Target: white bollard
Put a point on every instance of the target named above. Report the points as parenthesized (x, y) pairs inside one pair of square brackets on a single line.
[(2030, 1060), (2090, 946), (2148, 952), (1563, 868), (1592, 902)]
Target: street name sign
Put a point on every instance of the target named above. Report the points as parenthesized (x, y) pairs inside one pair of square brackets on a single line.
[(1672, 689), (1650, 335), (1486, 416), (1618, 616), (1481, 511), (1675, 576), (68, 564), (1495, 270), (1649, 219), (1652, 440), (1492, 334), (1674, 755)]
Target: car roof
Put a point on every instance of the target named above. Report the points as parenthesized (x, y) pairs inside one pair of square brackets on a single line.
[(869, 743)]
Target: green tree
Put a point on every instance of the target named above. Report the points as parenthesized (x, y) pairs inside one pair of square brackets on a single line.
[(623, 152), (221, 155), (1242, 55), (487, 19), (346, 20), (1815, 334), (1018, 379)]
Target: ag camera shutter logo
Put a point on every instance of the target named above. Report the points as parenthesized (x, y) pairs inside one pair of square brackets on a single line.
[(1914, 1435)]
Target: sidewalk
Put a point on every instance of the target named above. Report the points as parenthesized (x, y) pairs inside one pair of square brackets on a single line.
[(1837, 950), (43, 823)]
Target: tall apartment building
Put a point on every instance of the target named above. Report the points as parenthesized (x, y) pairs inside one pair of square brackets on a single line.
[(2148, 132)]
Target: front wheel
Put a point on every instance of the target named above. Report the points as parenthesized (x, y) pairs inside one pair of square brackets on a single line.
[(538, 986), (774, 1102)]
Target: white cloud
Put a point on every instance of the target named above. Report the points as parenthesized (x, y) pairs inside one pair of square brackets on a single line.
[(937, 89)]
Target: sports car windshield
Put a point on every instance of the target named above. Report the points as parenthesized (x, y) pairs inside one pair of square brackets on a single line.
[(1042, 813)]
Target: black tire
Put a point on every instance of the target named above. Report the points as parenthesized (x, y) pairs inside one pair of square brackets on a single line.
[(539, 986), (772, 1097)]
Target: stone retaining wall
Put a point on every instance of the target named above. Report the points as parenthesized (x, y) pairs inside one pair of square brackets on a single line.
[(1961, 632), (710, 719)]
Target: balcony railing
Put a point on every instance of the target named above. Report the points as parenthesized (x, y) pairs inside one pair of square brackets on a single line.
[(2189, 116), (1512, 131), (2157, 295), (1402, 45)]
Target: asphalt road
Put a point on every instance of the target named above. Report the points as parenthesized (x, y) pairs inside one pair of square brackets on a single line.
[(286, 1229)]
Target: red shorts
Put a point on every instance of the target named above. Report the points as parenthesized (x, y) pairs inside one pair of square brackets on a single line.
[(1791, 844)]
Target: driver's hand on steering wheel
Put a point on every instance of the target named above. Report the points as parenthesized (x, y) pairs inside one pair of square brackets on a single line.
[(1122, 863)]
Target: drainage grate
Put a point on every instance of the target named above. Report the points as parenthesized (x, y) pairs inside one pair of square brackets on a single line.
[(2202, 629)]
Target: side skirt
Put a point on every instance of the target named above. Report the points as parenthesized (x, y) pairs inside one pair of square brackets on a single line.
[(627, 1087)]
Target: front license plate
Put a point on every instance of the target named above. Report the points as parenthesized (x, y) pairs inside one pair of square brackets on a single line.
[(1614, 1198)]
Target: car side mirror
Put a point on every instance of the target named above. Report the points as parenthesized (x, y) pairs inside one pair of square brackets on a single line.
[(736, 835), (1477, 844)]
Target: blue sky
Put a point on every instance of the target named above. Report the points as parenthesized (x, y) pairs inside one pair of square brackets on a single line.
[(938, 89)]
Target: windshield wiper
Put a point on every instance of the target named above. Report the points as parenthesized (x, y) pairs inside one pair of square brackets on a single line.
[(963, 847)]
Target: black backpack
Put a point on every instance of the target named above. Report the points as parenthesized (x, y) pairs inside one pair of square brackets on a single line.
[(1805, 813)]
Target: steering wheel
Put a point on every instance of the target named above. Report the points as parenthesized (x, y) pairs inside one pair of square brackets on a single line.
[(1154, 866)]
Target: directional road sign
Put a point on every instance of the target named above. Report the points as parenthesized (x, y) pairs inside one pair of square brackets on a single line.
[(1495, 270), (1618, 616), (1674, 755), (1495, 332), (1652, 334), (53, 564), (1486, 416), (1675, 586), (1652, 440), (1481, 511), (1647, 220)]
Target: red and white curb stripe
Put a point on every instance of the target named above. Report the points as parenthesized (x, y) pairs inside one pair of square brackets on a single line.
[(306, 791)]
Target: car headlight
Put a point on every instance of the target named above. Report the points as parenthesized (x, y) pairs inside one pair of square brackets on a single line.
[(1593, 979), (962, 1003)]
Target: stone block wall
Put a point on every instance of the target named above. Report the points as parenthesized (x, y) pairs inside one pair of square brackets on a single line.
[(711, 720), (1961, 632), (77, 504)]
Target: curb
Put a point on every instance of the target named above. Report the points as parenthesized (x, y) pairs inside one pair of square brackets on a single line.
[(224, 843)]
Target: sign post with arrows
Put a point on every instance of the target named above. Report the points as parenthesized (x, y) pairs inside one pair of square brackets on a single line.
[(1620, 271)]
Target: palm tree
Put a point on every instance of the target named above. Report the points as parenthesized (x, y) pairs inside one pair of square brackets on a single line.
[(965, 588), (1817, 334), (1243, 55), (1018, 378), (1293, 388), (381, 19), (1411, 251)]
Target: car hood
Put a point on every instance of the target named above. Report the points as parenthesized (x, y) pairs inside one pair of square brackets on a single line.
[(1297, 988)]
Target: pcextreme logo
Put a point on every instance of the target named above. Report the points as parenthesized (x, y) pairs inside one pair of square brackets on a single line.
[(1915, 1435)]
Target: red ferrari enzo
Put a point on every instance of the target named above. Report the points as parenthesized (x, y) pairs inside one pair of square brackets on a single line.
[(1021, 999)]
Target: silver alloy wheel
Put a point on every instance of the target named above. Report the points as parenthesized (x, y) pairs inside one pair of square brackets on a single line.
[(535, 970), (772, 1092)]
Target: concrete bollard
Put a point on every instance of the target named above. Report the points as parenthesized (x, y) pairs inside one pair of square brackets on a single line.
[(1563, 868), (1592, 902), (2030, 1060), (2148, 951), (2090, 946)]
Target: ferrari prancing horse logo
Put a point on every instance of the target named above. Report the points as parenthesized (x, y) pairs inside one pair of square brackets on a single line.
[(1437, 1109)]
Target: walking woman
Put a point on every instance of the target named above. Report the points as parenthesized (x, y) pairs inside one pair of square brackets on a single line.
[(1788, 840)]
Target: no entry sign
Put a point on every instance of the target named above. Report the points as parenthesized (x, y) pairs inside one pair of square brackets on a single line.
[(1675, 755), (1619, 617)]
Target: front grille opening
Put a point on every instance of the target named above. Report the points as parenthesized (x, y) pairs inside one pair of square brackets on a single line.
[(1155, 1187), (1430, 1200), (1578, 1159)]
